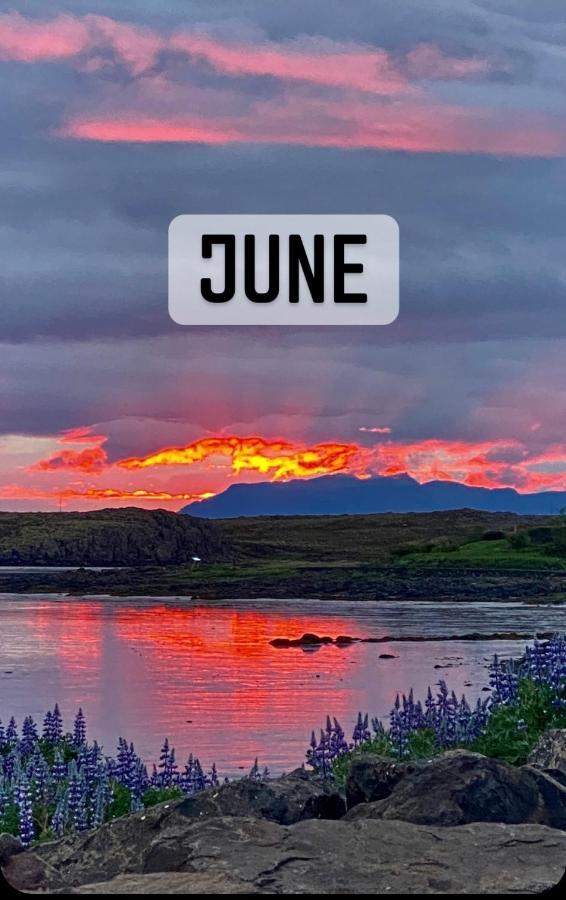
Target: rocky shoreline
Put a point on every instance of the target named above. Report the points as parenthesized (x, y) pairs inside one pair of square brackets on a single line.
[(319, 583), (458, 823)]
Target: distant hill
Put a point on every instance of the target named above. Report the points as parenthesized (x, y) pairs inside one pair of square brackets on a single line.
[(345, 494), (107, 537)]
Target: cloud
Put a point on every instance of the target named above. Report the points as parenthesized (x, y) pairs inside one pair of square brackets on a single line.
[(490, 464), (68, 37)]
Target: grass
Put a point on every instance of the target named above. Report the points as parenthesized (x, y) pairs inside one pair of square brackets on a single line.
[(492, 554), (538, 547)]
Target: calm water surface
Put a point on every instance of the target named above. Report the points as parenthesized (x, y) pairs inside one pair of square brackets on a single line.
[(207, 677)]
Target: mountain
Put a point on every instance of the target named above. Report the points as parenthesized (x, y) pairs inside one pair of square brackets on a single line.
[(345, 494), (107, 537)]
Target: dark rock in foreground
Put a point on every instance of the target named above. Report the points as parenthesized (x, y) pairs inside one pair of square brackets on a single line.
[(228, 855), (372, 777), (457, 788), (550, 754), (449, 825), (285, 800), (9, 846)]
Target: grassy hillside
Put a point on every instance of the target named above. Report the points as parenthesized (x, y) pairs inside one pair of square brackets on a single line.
[(364, 539), (541, 546), (115, 537), (462, 554)]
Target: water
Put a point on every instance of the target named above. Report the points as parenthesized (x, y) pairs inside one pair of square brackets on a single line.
[(207, 677)]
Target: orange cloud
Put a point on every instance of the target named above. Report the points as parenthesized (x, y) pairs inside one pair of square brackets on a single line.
[(278, 458), (491, 464), (488, 464), (20, 492), (90, 459)]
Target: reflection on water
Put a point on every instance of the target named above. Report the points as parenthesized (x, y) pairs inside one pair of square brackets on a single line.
[(207, 677)]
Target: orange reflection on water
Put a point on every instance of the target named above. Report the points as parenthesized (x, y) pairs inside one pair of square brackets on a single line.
[(74, 633)]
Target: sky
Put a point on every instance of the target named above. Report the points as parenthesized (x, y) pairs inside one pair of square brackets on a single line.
[(117, 116)]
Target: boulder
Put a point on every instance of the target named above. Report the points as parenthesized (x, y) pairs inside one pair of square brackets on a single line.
[(460, 787), (552, 808), (550, 754), (291, 798), (373, 777), (246, 855), (9, 846)]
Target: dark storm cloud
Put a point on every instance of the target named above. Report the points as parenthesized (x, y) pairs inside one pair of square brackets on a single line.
[(84, 331)]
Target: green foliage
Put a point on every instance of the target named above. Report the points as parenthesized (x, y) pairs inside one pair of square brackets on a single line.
[(153, 795), (121, 802), (10, 821), (379, 745), (519, 541), (512, 731)]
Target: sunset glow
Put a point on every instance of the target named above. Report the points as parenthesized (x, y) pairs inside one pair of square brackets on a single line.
[(201, 469)]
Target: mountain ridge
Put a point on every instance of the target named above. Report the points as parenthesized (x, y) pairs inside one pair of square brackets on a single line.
[(348, 495)]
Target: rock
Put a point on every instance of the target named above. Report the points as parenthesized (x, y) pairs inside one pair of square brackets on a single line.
[(235, 855), (26, 872), (388, 656), (460, 787), (372, 777), (165, 883), (286, 800), (306, 640), (9, 846), (343, 639), (550, 753), (553, 797)]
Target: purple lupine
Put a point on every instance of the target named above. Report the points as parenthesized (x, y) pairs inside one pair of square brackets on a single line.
[(38, 775), (61, 814), (167, 765), (503, 681), (76, 798), (23, 802), (48, 727), (361, 731), (59, 768), (57, 722), (11, 764), (100, 804), (12, 732), (79, 729), (29, 736), (2, 737)]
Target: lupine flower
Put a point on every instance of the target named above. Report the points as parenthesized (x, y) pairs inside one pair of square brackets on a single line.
[(12, 732), (79, 729), (23, 800)]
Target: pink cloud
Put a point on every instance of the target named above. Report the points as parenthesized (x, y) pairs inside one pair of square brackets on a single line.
[(317, 61), (408, 127), (30, 40), (69, 37), (324, 63)]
